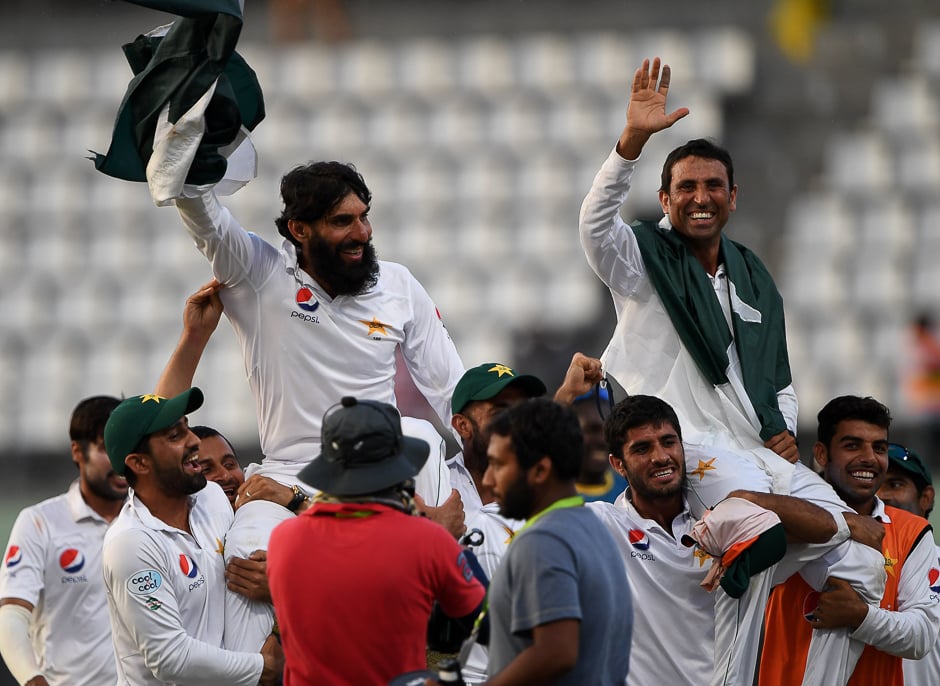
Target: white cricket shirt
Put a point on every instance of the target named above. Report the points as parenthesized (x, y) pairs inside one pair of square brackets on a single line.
[(673, 617), (166, 594), (304, 350), (53, 561)]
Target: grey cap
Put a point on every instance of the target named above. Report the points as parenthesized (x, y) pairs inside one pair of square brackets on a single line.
[(363, 450)]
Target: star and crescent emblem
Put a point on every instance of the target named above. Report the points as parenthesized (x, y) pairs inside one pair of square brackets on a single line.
[(501, 369)]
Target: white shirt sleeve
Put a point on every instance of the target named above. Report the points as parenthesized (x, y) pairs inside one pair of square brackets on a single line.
[(430, 353), (235, 254), (26, 579), (153, 622), (789, 406), (608, 242), (911, 630)]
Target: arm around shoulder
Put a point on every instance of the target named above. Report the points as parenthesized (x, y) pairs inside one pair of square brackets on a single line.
[(911, 630)]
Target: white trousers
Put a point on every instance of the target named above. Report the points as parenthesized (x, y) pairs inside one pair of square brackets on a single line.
[(711, 475)]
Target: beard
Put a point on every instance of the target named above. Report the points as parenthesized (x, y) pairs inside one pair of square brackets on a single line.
[(103, 488), (474, 454), (639, 485), (344, 279), (518, 500), (174, 481)]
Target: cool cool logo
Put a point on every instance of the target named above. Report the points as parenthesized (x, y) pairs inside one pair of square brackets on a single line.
[(144, 582)]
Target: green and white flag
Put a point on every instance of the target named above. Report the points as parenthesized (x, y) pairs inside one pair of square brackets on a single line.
[(187, 69), (689, 300)]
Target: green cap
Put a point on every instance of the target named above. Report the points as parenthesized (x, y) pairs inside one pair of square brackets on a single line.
[(487, 380), (141, 415), (908, 461)]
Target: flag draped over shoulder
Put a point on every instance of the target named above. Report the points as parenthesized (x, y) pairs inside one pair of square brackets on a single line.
[(173, 70), (689, 300)]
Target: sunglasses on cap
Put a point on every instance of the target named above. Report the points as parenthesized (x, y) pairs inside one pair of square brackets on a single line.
[(896, 451)]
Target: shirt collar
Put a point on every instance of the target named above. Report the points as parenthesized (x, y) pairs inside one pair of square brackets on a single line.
[(879, 511), (623, 501), (78, 508), (664, 223), (143, 514)]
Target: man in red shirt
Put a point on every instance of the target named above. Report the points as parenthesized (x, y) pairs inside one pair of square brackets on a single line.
[(354, 577)]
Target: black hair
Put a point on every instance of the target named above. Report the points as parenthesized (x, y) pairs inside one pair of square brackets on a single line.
[(539, 428), (208, 432), (89, 418), (699, 147), (846, 407), (310, 191), (634, 411)]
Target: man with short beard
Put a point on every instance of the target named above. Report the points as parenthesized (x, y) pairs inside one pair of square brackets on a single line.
[(648, 522), (852, 449), (51, 575), (162, 559), (560, 611)]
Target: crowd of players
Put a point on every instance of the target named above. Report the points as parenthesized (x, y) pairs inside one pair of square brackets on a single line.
[(312, 568)]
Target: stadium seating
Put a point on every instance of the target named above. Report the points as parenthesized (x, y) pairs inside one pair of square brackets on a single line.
[(478, 150), (864, 239)]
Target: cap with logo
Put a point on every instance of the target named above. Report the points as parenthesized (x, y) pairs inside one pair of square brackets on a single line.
[(908, 461), (487, 380), (142, 415), (363, 450)]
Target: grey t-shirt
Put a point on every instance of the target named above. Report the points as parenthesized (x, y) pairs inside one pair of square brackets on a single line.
[(565, 566)]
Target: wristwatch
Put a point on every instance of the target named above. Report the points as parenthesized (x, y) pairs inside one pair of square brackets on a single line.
[(299, 498)]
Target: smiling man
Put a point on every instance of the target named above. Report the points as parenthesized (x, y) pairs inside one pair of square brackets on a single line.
[(700, 324), (852, 449), (699, 319), (318, 319), (162, 559)]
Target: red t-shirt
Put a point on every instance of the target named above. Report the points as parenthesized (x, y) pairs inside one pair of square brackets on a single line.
[(353, 586)]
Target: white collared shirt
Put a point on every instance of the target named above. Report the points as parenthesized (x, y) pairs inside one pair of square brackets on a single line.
[(673, 616), (166, 596), (304, 350), (53, 561)]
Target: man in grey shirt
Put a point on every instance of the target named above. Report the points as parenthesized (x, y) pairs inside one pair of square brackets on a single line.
[(560, 607)]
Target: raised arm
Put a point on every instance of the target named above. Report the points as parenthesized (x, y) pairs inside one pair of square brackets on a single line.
[(646, 112), (583, 372), (609, 244), (200, 317)]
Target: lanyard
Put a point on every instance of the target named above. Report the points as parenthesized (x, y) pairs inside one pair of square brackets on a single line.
[(571, 501)]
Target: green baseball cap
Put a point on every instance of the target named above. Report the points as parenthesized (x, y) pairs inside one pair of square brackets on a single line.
[(908, 461), (141, 415), (487, 380)]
